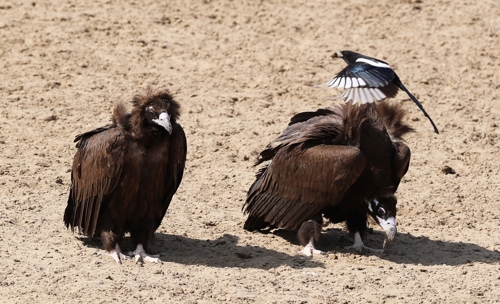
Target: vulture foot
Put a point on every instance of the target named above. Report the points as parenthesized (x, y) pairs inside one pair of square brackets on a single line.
[(141, 255), (361, 248), (309, 250), (116, 254)]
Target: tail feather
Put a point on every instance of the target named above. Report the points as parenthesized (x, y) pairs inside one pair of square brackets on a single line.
[(419, 105), (255, 223)]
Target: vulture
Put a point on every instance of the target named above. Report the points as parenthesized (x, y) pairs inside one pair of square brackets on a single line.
[(366, 79), (125, 174), (342, 163)]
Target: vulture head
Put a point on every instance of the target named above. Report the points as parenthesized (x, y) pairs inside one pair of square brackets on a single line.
[(155, 110), (383, 211)]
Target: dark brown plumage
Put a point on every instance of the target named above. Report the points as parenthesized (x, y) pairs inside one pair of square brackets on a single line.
[(125, 174), (342, 163)]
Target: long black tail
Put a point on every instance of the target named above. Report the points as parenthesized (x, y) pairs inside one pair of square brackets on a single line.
[(398, 82)]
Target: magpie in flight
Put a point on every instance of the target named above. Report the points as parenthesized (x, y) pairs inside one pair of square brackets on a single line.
[(366, 79)]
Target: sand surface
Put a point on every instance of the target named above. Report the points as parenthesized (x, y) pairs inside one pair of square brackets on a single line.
[(240, 70)]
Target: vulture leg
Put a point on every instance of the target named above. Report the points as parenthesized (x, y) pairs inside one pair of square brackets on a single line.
[(116, 254), (141, 255), (361, 248), (308, 233), (309, 249)]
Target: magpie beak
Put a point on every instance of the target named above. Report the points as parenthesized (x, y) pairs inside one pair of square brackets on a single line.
[(367, 79), (337, 54)]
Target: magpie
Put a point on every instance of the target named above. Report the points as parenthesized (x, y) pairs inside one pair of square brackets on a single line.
[(366, 79)]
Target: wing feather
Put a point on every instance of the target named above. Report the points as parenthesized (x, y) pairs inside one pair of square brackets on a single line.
[(300, 183), (365, 74), (401, 163), (97, 168), (175, 169)]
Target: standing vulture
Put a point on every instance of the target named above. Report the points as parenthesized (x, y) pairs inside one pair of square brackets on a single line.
[(343, 163), (125, 174), (367, 79)]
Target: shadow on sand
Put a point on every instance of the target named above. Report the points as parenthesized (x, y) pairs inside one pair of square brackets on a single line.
[(221, 252), (225, 251), (405, 248)]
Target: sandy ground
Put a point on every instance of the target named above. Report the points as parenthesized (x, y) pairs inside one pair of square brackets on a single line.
[(240, 70)]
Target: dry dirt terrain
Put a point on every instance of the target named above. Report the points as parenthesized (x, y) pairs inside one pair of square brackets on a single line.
[(240, 70)]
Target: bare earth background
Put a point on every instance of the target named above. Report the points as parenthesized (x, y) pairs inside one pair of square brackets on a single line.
[(240, 70)]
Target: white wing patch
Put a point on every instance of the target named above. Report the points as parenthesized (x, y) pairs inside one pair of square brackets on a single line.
[(373, 63), (377, 93), (347, 82), (356, 90), (355, 83), (342, 83), (362, 95)]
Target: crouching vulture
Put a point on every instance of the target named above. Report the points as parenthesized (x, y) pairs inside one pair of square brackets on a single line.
[(125, 174), (343, 163)]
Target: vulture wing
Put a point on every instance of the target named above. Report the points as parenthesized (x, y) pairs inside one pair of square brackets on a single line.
[(299, 183), (176, 164), (97, 168), (392, 116), (321, 127), (401, 163)]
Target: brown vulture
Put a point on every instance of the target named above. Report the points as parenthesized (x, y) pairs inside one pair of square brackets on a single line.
[(125, 174), (343, 163)]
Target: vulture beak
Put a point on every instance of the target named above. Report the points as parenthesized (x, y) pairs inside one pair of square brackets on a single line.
[(389, 226), (164, 121), (337, 54)]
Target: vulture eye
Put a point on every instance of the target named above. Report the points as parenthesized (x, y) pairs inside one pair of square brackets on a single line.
[(381, 211)]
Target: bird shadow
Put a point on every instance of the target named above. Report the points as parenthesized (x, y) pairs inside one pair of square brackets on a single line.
[(405, 248), (221, 252), (225, 251)]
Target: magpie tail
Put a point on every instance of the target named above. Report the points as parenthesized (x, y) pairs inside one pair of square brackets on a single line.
[(398, 82)]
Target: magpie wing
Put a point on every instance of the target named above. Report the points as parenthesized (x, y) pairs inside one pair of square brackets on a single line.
[(364, 82)]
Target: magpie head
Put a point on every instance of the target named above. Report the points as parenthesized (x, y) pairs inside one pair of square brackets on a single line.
[(348, 56)]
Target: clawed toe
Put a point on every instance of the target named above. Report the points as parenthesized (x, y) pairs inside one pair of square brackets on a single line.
[(309, 251), (362, 249), (366, 250), (140, 255), (116, 254), (315, 251)]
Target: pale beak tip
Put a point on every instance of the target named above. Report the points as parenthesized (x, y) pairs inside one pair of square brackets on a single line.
[(337, 54), (391, 232)]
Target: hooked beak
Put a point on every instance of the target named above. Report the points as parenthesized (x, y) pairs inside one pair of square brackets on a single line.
[(337, 54), (164, 121), (389, 226)]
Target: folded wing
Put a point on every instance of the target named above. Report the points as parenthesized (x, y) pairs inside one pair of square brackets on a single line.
[(97, 168), (299, 182)]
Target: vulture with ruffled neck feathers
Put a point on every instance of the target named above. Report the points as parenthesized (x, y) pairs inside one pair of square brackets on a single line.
[(125, 174), (342, 163)]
